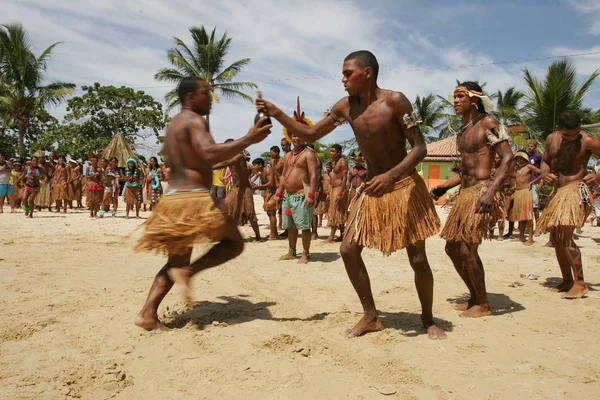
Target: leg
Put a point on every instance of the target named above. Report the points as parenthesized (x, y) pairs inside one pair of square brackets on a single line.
[(511, 228), (292, 240), (529, 241), (474, 267), (306, 238), (127, 208), (331, 234), (522, 225), (11, 201), (1, 204), (137, 209), (254, 224), (148, 316), (453, 251), (272, 224), (315, 221), (572, 255), (230, 246), (357, 272), (424, 284), (341, 234), (32, 197)]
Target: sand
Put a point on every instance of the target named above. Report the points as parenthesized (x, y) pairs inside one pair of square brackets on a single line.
[(71, 288)]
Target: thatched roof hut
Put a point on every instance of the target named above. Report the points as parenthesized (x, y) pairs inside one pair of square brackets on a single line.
[(118, 147)]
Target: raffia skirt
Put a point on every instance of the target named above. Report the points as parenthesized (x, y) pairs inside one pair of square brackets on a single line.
[(59, 191), (240, 205), (44, 199), (338, 208), (522, 209), (322, 207), (132, 195), (94, 192), (396, 220), (463, 224), (181, 220), (568, 207), (74, 190)]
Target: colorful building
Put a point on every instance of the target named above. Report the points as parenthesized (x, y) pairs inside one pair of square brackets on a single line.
[(436, 167)]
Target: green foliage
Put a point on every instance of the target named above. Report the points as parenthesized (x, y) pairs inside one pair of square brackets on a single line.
[(205, 59), (557, 92), (433, 117), (101, 112), (22, 92)]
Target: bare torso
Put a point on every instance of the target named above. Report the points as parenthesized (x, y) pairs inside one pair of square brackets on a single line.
[(336, 176), (188, 169), (357, 176), (378, 131), (568, 159), (523, 177), (326, 183), (477, 156), (295, 173), (239, 172), (61, 174)]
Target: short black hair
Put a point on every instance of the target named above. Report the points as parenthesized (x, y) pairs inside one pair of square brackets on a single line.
[(259, 161), (189, 84), (61, 156), (276, 148), (337, 147), (569, 119), (470, 85), (364, 58)]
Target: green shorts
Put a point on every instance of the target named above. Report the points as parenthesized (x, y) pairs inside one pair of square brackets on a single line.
[(301, 216)]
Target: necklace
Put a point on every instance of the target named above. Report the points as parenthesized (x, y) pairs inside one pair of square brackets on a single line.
[(474, 120), (292, 162)]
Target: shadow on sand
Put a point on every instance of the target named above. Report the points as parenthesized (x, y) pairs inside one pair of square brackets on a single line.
[(237, 310), (500, 303)]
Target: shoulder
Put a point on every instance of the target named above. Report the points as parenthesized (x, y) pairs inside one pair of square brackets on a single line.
[(489, 122), (397, 99)]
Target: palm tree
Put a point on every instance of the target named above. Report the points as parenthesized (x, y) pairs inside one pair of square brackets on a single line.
[(431, 112), (22, 91), (205, 60), (507, 110), (548, 98)]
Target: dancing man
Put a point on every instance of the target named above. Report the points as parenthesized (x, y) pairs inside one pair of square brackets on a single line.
[(338, 201), (188, 214), (481, 199), (394, 210), (564, 166)]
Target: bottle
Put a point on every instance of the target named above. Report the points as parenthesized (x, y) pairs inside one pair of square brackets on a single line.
[(261, 114)]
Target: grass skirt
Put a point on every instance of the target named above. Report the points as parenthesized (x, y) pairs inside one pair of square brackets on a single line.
[(522, 209), (568, 207), (74, 190), (395, 220), (322, 207), (94, 192), (59, 191), (181, 220), (463, 224), (132, 195), (240, 205), (44, 199), (338, 208)]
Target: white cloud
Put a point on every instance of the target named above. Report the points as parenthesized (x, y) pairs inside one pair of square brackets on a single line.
[(124, 43), (591, 9)]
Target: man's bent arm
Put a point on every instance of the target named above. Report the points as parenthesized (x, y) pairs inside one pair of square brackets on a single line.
[(205, 145), (505, 171), (414, 136), (313, 170), (313, 133)]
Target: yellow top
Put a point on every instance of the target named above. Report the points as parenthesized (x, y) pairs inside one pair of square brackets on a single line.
[(217, 175), (13, 177)]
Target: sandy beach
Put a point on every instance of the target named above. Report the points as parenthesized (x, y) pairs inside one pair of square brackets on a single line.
[(266, 329)]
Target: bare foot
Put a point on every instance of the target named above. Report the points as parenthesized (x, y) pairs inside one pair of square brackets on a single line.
[(529, 243), (182, 277), (476, 311), (577, 292), (328, 241), (287, 256), (272, 237), (150, 324), (517, 240), (549, 244), (366, 324), (303, 258), (562, 287), (463, 306), (436, 333), (314, 236)]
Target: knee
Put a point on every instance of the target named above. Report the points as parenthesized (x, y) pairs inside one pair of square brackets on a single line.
[(349, 250), (450, 249), (465, 252), (418, 262)]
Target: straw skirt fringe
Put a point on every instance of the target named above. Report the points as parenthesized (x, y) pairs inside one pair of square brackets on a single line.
[(240, 205), (181, 220), (463, 224), (522, 209), (395, 220), (338, 208)]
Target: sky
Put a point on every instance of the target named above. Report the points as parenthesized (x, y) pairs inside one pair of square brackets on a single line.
[(298, 47)]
